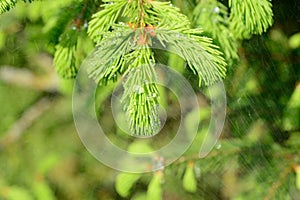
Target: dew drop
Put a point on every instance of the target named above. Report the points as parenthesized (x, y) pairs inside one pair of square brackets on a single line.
[(138, 89), (153, 95), (217, 9)]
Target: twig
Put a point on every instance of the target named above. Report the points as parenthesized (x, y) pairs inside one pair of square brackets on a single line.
[(26, 120), (278, 183), (25, 78), (195, 157)]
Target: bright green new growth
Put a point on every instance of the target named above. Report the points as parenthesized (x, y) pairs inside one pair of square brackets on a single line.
[(200, 54), (141, 94), (125, 31), (125, 182), (64, 57), (124, 49), (121, 52), (250, 17), (103, 20), (154, 188), (6, 5), (189, 181), (212, 16), (111, 56), (298, 178)]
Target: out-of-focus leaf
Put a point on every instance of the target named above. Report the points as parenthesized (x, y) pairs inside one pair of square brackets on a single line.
[(294, 41), (34, 11), (43, 191), (202, 113), (139, 196), (298, 178), (294, 140), (2, 39), (66, 86), (17, 193), (189, 180), (154, 191), (125, 182), (139, 147), (47, 163), (291, 119), (258, 131)]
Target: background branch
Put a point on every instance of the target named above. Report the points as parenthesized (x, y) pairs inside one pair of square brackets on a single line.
[(25, 121)]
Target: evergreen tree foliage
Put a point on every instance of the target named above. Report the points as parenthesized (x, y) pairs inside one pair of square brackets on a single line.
[(64, 57), (250, 17), (140, 22), (5, 5), (213, 17), (258, 154), (148, 20)]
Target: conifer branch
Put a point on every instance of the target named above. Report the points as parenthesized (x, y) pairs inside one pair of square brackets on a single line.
[(64, 57), (140, 23), (104, 19), (6, 5), (112, 56), (169, 17), (141, 94), (25, 78), (212, 17), (202, 56), (250, 17)]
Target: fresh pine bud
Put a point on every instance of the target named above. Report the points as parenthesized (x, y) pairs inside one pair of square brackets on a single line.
[(125, 182), (154, 189), (189, 180)]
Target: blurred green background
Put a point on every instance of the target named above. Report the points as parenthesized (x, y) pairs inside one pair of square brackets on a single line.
[(42, 157)]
